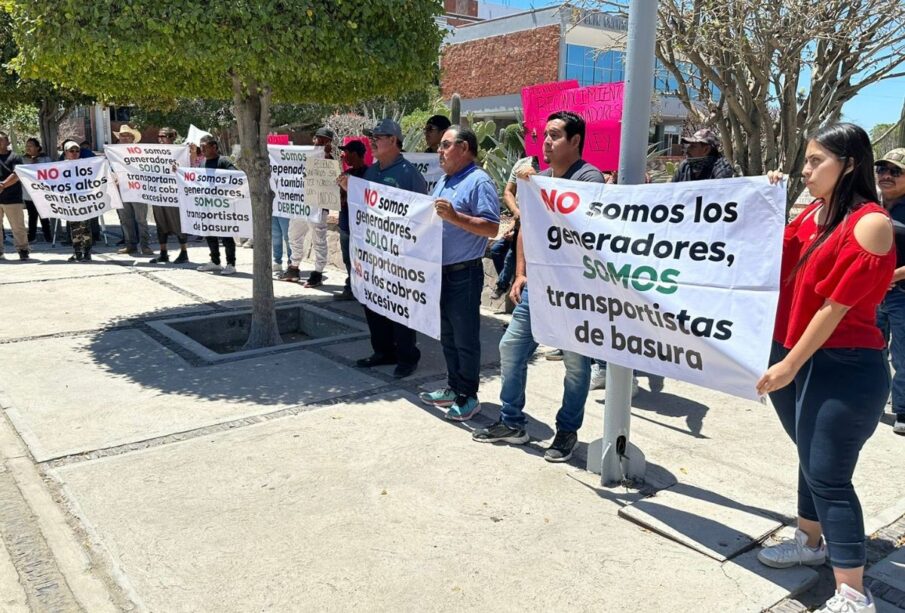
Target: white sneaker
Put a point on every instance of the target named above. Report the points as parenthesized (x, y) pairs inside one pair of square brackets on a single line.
[(899, 426), (598, 377), (210, 267), (249, 244), (848, 600), (793, 552), (228, 270), (277, 268)]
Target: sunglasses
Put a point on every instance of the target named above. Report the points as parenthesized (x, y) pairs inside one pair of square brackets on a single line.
[(894, 171), (446, 144)]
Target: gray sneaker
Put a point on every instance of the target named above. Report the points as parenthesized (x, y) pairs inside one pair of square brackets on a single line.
[(560, 450), (500, 433), (899, 426)]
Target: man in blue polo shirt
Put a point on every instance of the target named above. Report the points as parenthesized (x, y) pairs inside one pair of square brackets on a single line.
[(468, 204)]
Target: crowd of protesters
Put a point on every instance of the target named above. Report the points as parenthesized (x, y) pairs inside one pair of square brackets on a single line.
[(839, 323)]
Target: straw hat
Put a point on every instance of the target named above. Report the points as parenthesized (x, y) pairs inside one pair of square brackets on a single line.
[(126, 129)]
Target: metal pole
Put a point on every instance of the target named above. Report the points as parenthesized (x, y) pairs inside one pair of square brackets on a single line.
[(621, 461)]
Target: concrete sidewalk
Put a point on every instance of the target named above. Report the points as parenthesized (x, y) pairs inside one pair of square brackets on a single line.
[(146, 479)]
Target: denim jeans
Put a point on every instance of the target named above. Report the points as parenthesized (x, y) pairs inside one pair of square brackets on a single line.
[(829, 411), (502, 254), (891, 320), (279, 229), (460, 327), (516, 348), (344, 238)]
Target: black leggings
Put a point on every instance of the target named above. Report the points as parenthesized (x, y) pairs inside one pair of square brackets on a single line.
[(229, 244)]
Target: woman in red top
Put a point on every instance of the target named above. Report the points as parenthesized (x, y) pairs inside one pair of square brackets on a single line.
[(827, 380)]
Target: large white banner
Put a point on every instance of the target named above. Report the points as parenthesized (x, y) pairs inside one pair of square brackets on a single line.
[(73, 190), (287, 181), (396, 249), (214, 202), (677, 279), (428, 164), (145, 172)]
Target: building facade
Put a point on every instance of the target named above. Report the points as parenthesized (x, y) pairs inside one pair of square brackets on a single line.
[(488, 62)]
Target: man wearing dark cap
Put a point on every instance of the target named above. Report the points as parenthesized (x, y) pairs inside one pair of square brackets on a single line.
[(703, 159), (353, 155), (890, 171), (393, 343), (298, 229), (433, 132)]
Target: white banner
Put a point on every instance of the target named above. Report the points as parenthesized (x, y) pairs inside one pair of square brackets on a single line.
[(396, 240), (321, 190), (73, 190), (195, 135), (287, 180), (214, 202), (676, 279), (145, 172), (428, 164)]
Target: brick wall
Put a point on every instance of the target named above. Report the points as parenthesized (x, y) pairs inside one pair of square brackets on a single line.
[(501, 64)]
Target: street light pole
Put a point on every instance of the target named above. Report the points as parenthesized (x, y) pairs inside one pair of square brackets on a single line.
[(616, 459)]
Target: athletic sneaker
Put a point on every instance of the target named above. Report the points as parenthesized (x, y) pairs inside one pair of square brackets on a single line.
[(899, 426), (554, 355), (463, 409), (210, 267), (560, 450), (23, 254), (315, 279), (163, 258), (793, 552), (229, 269), (498, 292), (848, 600), (182, 258), (500, 433), (290, 274), (438, 398), (598, 377), (147, 251), (277, 268)]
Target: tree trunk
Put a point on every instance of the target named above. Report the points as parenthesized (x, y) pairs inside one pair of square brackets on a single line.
[(253, 118), (50, 125)]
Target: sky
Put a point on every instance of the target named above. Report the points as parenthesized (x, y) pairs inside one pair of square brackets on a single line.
[(877, 103)]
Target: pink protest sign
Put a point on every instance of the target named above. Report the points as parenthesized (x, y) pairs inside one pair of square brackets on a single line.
[(599, 105), (277, 139)]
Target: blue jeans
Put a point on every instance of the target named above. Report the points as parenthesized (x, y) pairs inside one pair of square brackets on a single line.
[(344, 238), (829, 411), (891, 320), (460, 327), (516, 348), (502, 254), (279, 228)]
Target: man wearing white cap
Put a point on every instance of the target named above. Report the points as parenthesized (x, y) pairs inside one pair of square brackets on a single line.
[(133, 213)]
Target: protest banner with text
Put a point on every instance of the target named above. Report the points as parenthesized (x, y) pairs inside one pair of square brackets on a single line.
[(321, 190), (214, 202), (599, 105), (287, 181), (428, 164), (145, 172), (72, 190), (396, 250), (678, 279)]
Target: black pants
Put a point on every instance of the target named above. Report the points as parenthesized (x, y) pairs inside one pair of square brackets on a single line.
[(392, 339), (33, 219), (229, 244)]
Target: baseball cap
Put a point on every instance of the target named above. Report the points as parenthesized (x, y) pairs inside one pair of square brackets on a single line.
[(704, 135), (896, 157), (355, 146), (386, 126), (325, 132), (70, 144)]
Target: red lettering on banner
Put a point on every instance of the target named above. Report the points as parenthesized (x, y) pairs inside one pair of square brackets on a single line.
[(558, 202), (134, 150), (370, 197), (134, 185), (49, 173), (190, 176)]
